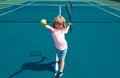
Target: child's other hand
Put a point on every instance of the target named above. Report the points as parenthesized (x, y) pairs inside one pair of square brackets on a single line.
[(69, 24)]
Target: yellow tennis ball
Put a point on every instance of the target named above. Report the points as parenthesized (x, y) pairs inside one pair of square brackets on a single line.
[(43, 22)]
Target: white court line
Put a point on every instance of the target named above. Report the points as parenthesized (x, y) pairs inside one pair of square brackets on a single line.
[(13, 10), (10, 5), (56, 65), (105, 10), (60, 11), (109, 5), (56, 4)]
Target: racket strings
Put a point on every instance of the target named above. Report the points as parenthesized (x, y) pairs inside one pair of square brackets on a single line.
[(69, 12)]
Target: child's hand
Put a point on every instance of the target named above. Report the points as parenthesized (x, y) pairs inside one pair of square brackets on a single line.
[(69, 24), (43, 22)]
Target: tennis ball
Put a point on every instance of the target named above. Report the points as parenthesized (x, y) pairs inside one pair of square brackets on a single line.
[(43, 22)]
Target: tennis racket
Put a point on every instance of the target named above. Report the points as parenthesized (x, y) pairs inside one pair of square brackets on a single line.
[(69, 12)]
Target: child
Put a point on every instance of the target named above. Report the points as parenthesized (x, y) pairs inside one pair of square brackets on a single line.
[(58, 31)]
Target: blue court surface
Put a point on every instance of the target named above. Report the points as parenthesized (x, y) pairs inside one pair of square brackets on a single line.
[(94, 43)]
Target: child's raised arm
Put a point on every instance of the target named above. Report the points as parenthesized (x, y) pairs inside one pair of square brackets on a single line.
[(49, 27), (68, 27), (44, 23)]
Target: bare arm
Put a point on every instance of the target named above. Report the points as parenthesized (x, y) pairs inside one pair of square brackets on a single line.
[(48, 27), (44, 23), (67, 29)]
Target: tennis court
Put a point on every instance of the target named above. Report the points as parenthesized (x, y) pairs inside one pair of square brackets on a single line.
[(94, 43)]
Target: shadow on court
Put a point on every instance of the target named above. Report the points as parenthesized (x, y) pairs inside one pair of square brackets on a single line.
[(36, 66)]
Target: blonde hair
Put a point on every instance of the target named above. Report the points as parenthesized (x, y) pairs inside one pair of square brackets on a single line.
[(60, 20)]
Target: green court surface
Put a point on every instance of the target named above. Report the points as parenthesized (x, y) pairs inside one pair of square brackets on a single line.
[(94, 43)]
